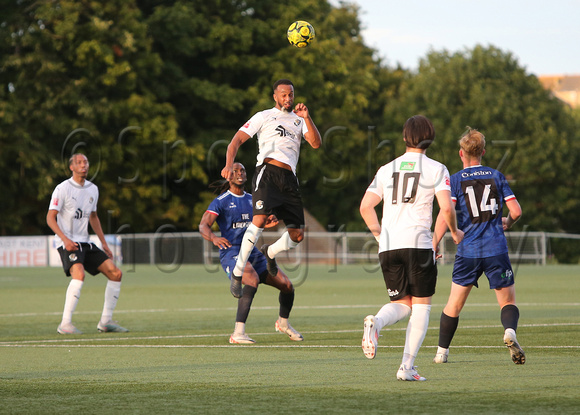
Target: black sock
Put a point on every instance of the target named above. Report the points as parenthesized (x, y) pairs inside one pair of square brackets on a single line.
[(286, 303), (447, 327), (510, 315), (245, 302)]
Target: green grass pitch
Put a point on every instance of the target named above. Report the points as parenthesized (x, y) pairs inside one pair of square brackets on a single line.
[(177, 359)]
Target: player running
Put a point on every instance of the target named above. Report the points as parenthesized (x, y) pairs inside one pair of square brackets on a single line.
[(478, 194)]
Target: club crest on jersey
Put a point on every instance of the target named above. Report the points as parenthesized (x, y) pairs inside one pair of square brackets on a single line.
[(260, 204), (297, 122), (408, 165), (91, 199), (72, 257)]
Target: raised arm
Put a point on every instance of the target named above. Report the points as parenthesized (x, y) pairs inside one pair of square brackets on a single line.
[(239, 138), (312, 136)]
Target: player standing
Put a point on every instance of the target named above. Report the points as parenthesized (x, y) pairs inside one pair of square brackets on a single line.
[(407, 187), (478, 193), (72, 207), (232, 211), (275, 187)]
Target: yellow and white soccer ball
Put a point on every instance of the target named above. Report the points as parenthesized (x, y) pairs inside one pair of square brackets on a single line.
[(300, 34)]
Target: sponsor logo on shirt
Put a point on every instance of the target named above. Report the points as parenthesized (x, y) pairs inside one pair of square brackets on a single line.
[(232, 205), (240, 225), (408, 165), (55, 202), (476, 173), (447, 181), (246, 125)]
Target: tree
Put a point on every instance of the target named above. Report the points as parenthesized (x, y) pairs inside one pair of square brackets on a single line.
[(531, 137), (78, 77)]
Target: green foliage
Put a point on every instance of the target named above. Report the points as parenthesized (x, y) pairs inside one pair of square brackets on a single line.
[(530, 135), (153, 92)]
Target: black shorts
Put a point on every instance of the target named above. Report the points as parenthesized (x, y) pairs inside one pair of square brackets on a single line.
[(275, 190), (409, 272), (88, 255)]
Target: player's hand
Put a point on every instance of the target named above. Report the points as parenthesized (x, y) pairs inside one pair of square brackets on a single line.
[(70, 245), (107, 250), (221, 242), (504, 223), (228, 172), (437, 251), (271, 221), (457, 236), (301, 110)]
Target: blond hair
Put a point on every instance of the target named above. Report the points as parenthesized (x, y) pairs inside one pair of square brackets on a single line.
[(472, 143)]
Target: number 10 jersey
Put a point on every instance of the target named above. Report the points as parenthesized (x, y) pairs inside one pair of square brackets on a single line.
[(408, 186), (479, 193)]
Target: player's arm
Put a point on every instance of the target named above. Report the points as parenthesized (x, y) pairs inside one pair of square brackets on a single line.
[(367, 210), (207, 221), (96, 225), (515, 213), (312, 136), (239, 138), (439, 230), (447, 211), (53, 224)]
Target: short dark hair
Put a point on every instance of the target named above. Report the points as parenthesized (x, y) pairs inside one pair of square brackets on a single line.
[(282, 82), (72, 158), (418, 132)]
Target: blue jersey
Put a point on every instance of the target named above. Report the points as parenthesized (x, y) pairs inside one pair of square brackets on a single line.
[(479, 193), (234, 215)]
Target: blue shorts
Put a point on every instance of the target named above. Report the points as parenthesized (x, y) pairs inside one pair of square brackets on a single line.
[(229, 257), (498, 270)]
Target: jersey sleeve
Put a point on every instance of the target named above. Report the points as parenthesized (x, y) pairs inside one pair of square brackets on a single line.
[(253, 125), (57, 199), (506, 191), (377, 184), (442, 180), (214, 207), (304, 128)]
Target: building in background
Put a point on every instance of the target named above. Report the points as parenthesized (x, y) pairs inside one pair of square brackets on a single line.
[(564, 87)]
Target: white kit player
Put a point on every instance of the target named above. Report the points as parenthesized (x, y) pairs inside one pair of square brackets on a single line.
[(407, 187), (275, 187), (72, 207)]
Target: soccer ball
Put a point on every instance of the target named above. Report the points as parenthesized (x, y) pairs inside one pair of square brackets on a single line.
[(300, 34)]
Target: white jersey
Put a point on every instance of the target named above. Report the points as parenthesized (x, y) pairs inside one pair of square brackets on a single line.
[(279, 135), (408, 186), (74, 204)]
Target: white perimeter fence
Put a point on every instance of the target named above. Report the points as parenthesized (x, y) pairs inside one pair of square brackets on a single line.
[(168, 250)]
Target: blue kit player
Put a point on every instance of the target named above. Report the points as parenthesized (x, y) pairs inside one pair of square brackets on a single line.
[(479, 194), (232, 211)]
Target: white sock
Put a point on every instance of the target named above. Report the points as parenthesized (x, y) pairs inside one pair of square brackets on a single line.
[(390, 313), (73, 293), (284, 243), (239, 328), (416, 331), (112, 292), (251, 236)]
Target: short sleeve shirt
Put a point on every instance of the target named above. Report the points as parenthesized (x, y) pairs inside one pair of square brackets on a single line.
[(234, 215), (479, 193), (408, 186), (74, 204), (279, 135)]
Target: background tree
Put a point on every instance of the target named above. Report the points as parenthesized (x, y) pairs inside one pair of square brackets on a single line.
[(531, 137)]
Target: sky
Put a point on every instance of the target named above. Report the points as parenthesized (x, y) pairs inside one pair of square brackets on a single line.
[(544, 36)]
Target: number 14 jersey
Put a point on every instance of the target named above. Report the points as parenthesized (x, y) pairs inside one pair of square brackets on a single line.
[(479, 193)]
